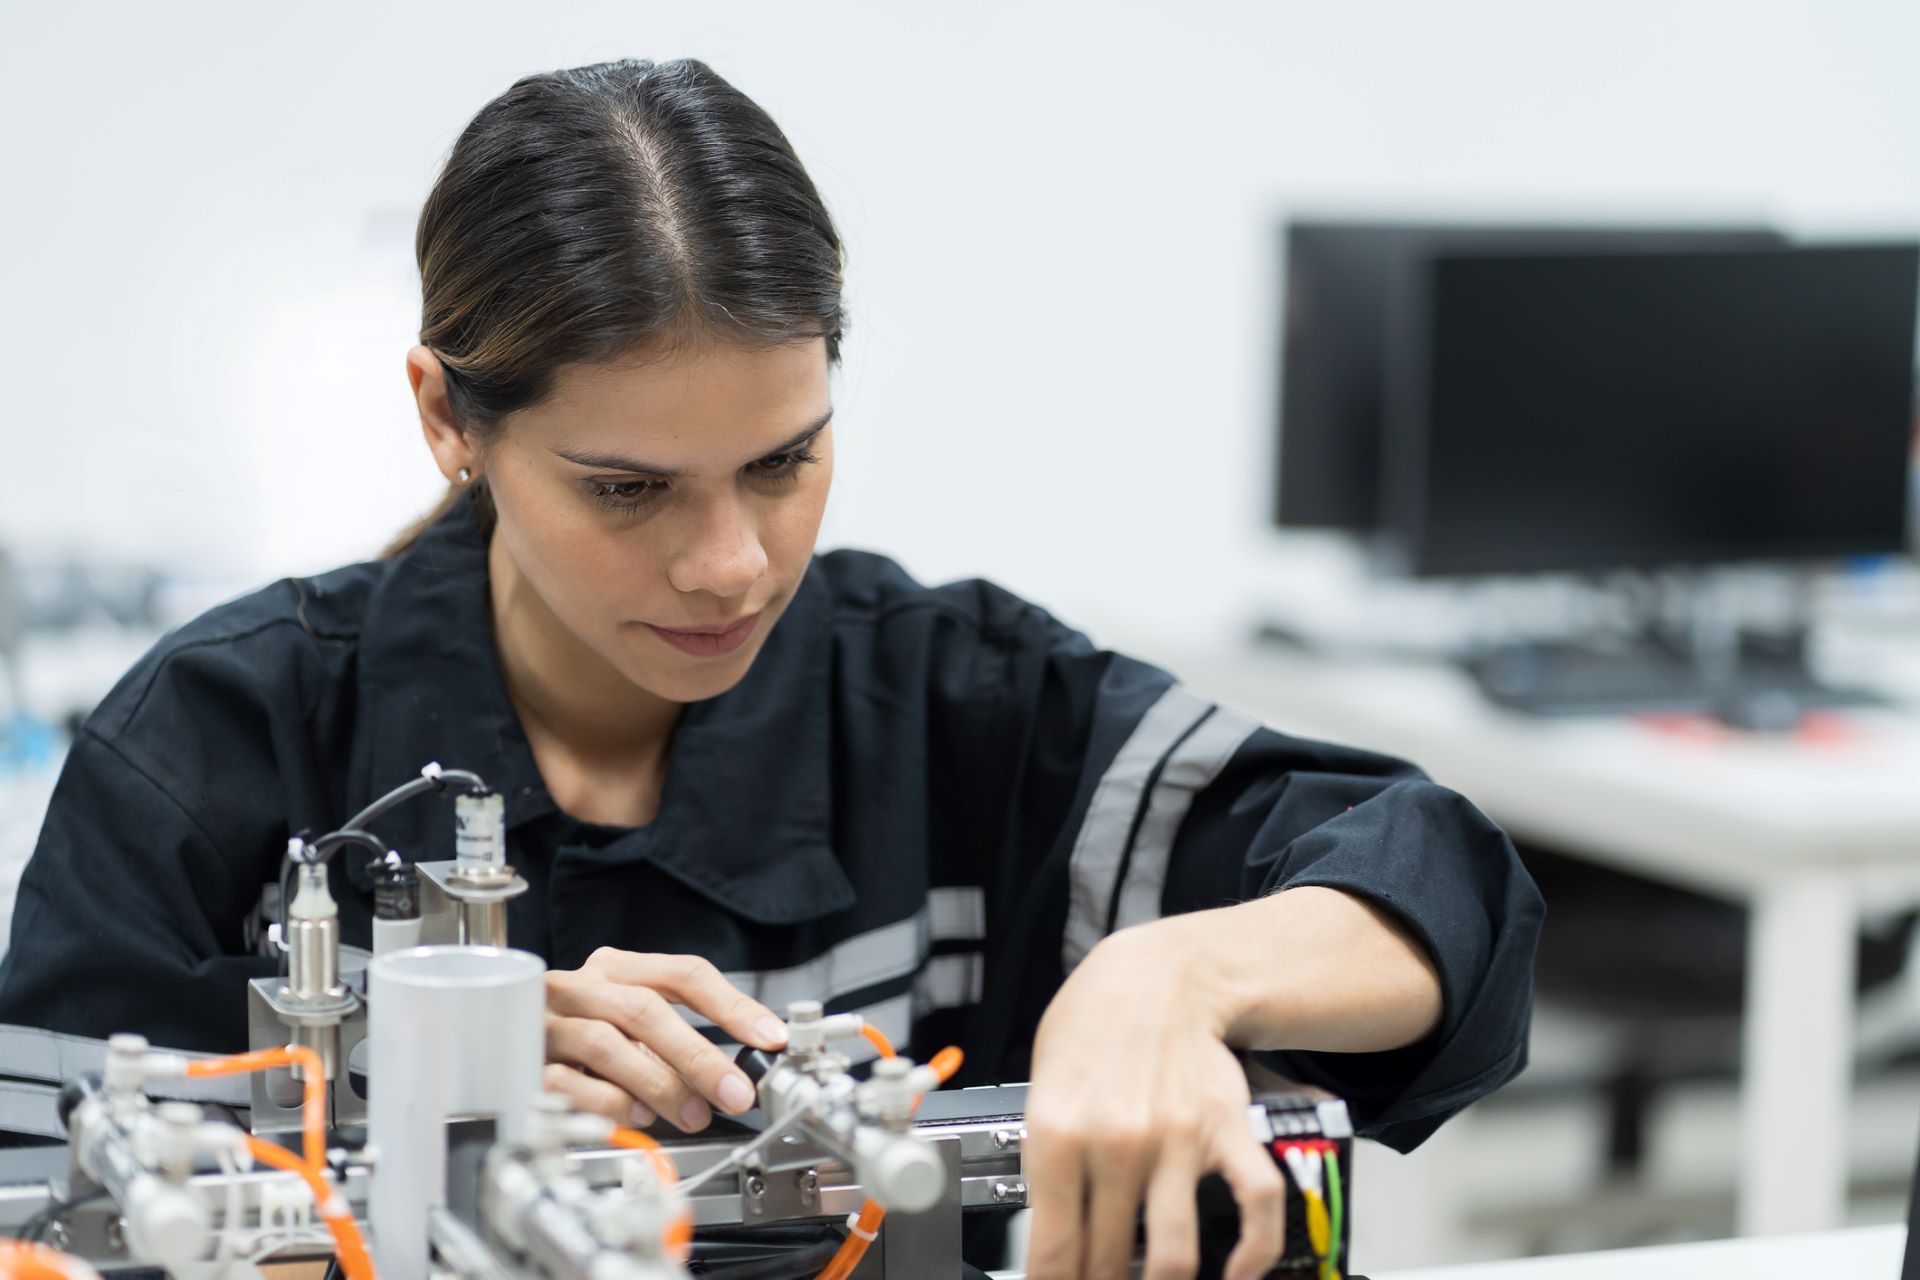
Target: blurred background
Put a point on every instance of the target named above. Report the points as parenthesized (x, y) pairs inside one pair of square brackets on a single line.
[(1526, 389)]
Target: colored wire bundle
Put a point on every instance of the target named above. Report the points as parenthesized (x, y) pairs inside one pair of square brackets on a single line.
[(1314, 1166)]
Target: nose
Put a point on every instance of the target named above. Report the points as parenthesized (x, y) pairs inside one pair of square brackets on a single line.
[(722, 553)]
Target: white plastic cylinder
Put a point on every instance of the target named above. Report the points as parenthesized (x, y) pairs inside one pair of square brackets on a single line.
[(452, 1032)]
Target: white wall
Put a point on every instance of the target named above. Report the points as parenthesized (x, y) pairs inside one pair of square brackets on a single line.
[(1059, 220)]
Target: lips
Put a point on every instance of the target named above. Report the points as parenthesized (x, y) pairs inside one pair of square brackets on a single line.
[(708, 641)]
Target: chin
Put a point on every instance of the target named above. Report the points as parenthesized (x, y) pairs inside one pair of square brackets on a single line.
[(696, 681)]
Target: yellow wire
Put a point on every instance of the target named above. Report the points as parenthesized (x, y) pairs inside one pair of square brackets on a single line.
[(1319, 1227)]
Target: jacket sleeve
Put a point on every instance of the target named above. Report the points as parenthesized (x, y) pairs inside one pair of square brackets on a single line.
[(1134, 798), (127, 917), (169, 816)]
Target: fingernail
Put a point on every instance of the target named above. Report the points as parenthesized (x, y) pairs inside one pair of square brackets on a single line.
[(694, 1114), (772, 1032), (735, 1094), (640, 1115)]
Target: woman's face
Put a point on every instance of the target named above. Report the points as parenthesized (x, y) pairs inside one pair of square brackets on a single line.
[(652, 502)]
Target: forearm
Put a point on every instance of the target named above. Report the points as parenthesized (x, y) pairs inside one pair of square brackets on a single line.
[(1308, 968)]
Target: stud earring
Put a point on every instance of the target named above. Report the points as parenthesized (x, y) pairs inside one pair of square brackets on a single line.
[(465, 475)]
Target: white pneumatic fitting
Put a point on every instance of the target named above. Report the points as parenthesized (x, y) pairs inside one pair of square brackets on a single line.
[(904, 1173), (166, 1224), (312, 900), (176, 1137), (889, 1094), (809, 1028), (126, 1067)]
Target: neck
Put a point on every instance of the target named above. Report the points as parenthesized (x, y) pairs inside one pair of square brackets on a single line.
[(562, 690)]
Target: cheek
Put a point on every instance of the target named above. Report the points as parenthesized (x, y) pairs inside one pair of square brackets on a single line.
[(580, 563), (791, 528)]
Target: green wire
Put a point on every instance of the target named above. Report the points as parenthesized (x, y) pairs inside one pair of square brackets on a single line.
[(1336, 1208)]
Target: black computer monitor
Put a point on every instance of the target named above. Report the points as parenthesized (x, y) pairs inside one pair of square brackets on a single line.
[(1559, 413), (1341, 282)]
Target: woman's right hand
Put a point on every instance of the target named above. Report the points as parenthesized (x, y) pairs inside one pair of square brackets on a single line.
[(617, 1046)]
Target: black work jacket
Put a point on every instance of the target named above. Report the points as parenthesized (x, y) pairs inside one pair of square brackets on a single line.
[(925, 804)]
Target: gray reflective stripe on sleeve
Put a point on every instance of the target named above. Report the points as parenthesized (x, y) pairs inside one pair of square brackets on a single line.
[(949, 982), (30, 1108), (951, 914), (959, 913), (53, 1057), (891, 951), (1102, 841), (1191, 769)]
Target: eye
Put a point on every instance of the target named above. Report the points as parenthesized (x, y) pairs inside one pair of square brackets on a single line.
[(782, 466), (624, 495)]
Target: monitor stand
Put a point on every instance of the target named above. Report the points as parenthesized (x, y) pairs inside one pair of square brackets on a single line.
[(1760, 682)]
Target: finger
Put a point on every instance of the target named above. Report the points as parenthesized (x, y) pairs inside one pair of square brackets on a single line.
[(1055, 1164), (1115, 1176), (603, 1050), (589, 1094), (1173, 1220), (696, 983), (646, 1018), (1260, 1192)]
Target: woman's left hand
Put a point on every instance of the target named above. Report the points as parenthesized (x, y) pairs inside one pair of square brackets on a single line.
[(1135, 1095)]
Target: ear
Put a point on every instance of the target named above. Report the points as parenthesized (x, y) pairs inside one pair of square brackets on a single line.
[(452, 447)]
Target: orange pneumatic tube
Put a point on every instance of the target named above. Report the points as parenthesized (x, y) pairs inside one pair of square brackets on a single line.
[(23, 1260), (867, 1225), (679, 1234), (312, 1165)]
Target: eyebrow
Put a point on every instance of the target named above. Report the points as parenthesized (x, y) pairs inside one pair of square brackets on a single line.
[(619, 462)]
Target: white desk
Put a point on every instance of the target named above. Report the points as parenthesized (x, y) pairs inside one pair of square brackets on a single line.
[(1807, 836), (1861, 1252)]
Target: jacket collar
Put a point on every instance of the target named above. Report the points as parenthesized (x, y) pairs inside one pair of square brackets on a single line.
[(746, 811)]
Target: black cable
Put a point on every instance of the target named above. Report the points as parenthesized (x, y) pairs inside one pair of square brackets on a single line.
[(318, 852), (322, 849), (354, 832), (35, 1227), (798, 1264), (419, 786)]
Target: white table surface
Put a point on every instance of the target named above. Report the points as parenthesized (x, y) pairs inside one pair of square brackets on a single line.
[(1863, 1252)]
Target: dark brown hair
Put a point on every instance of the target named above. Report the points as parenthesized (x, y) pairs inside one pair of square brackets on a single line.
[(585, 214)]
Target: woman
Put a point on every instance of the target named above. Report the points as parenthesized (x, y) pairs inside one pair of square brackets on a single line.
[(722, 754)]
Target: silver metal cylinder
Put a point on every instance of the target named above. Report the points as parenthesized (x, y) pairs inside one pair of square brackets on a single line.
[(323, 1040), (483, 924), (313, 958), (452, 1032)]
